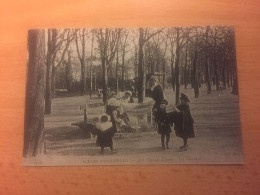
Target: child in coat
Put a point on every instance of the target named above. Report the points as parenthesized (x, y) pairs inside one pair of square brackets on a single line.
[(105, 131), (184, 125)]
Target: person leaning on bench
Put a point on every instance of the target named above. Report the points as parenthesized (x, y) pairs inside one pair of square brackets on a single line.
[(112, 109)]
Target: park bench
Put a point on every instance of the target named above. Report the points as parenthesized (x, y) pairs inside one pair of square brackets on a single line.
[(100, 91), (60, 92), (87, 125)]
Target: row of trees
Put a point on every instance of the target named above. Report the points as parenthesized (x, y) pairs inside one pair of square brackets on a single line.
[(191, 54), (179, 56)]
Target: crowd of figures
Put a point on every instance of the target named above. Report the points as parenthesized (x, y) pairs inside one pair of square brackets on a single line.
[(180, 117)]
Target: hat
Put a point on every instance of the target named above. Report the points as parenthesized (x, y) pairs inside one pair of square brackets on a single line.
[(104, 118), (184, 97), (154, 78), (129, 92), (112, 93), (113, 102)]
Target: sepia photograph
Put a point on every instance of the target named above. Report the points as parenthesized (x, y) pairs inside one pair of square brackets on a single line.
[(131, 96)]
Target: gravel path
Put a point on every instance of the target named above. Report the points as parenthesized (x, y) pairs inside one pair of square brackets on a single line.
[(217, 129)]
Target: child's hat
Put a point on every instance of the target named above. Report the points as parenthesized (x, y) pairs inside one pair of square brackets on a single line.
[(184, 97), (104, 118)]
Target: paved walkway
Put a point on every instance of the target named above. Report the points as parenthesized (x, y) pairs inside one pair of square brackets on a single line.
[(217, 128)]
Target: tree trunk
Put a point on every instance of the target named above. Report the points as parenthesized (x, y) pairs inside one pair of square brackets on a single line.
[(105, 82), (208, 79), (216, 73), (48, 88), (68, 74), (83, 78), (117, 70), (172, 74), (195, 75), (123, 72), (185, 67), (53, 81), (227, 69), (141, 81), (91, 85), (34, 101), (215, 62), (224, 72), (177, 74), (195, 69), (164, 74), (95, 82)]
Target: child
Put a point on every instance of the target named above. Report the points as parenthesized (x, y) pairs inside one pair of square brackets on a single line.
[(184, 125), (105, 131)]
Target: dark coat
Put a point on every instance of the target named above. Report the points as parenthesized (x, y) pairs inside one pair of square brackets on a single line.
[(157, 94), (104, 135), (183, 122), (160, 113)]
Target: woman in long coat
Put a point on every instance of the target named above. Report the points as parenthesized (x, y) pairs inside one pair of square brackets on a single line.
[(159, 111)]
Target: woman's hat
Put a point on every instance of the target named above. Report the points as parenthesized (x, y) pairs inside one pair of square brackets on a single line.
[(184, 97), (128, 92), (113, 102), (112, 93), (154, 78)]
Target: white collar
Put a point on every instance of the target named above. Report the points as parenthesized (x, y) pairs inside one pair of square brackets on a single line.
[(103, 126)]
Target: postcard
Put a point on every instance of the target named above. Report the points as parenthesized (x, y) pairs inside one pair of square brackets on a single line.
[(131, 96)]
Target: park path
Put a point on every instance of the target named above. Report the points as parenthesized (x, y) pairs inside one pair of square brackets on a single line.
[(217, 129)]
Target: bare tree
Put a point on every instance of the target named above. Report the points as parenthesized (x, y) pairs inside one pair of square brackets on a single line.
[(195, 79), (91, 61), (68, 71), (144, 36), (164, 61), (57, 45), (179, 40), (34, 101), (117, 67), (80, 40), (172, 38), (108, 42), (123, 43)]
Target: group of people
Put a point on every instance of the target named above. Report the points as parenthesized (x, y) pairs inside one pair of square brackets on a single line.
[(111, 122), (181, 118)]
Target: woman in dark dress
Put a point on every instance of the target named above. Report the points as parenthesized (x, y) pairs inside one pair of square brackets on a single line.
[(159, 111), (183, 121)]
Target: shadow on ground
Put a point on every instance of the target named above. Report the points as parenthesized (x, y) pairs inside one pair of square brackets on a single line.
[(64, 133)]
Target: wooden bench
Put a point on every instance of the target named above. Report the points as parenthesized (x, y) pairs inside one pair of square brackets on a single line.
[(100, 91), (119, 134), (86, 127)]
